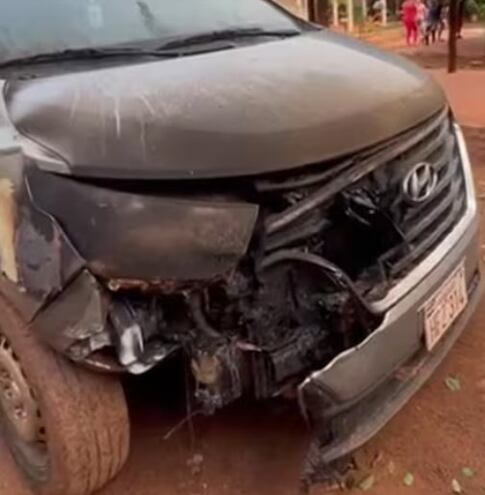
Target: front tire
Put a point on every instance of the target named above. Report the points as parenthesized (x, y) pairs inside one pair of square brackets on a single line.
[(67, 428)]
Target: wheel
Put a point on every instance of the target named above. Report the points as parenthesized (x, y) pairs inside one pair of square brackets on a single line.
[(67, 428)]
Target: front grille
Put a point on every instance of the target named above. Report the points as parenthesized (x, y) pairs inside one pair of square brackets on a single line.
[(355, 214)]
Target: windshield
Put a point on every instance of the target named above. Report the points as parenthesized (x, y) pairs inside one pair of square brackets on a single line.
[(32, 27)]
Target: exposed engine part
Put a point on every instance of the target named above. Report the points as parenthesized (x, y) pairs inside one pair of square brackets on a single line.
[(274, 321), (219, 377), (130, 341), (338, 276), (136, 351), (195, 305)]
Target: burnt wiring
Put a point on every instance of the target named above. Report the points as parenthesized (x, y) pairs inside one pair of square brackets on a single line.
[(332, 271), (195, 305)]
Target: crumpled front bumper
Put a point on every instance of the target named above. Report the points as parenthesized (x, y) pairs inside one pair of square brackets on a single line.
[(356, 394)]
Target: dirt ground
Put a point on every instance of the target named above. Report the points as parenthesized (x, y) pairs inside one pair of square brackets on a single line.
[(258, 449), (471, 49)]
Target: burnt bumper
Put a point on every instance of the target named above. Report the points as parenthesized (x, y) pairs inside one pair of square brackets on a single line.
[(356, 394)]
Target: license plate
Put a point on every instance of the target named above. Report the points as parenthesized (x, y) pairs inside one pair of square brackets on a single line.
[(443, 308)]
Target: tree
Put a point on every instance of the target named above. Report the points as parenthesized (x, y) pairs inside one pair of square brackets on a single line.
[(319, 11), (452, 34)]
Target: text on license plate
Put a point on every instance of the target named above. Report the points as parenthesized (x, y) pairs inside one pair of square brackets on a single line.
[(442, 309)]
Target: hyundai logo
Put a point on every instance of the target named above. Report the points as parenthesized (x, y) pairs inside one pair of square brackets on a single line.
[(420, 183)]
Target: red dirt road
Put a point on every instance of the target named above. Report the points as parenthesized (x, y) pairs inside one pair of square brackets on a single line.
[(466, 92), (257, 449)]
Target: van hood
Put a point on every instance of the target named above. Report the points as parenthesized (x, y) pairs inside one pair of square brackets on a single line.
[(256, 109)]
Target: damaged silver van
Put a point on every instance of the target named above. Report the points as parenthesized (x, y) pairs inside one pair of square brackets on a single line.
[(286, 208)]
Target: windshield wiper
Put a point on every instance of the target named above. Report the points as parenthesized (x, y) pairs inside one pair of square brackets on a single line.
[(227, 35), (86, 54)]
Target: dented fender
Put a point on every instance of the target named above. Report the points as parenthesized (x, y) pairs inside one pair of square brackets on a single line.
[(36, 258), (67, 245), (148, 237)]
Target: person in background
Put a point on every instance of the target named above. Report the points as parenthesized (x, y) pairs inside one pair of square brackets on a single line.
[(435, 23), (444, 21), (410, 20), (422, 18), (442, 14), (460, 16), (377, 7)]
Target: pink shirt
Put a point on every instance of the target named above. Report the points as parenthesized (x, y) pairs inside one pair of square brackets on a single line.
[(421, 12), (410, 12)]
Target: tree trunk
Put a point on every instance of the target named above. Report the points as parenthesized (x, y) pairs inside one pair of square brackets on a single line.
[(312, 13), (335, 14), (364, 11), (350, 16), (452, 35), (319, 11), (384, 13)]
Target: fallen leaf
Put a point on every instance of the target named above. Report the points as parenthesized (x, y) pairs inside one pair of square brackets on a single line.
[(455, 486), (195, 464), (367, 483), (378, 458), (391, 467), (453, 383), (408, 479), (468, 472)]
